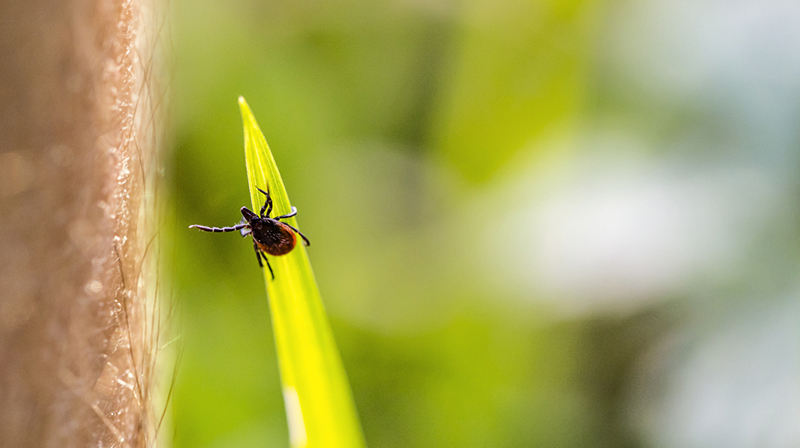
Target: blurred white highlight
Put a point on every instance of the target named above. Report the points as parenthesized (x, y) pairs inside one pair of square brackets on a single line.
[(294, 417), (612, 233), (733, 385)]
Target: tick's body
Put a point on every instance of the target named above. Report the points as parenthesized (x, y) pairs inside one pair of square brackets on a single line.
[(273, 237), (270, 235)]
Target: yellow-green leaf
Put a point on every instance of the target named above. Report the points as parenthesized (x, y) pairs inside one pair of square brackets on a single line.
[(319, 405)]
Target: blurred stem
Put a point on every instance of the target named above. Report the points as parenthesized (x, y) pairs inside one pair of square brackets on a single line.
[(75, 121)]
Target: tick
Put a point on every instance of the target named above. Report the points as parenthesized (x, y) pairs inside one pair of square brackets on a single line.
[(270, 235)]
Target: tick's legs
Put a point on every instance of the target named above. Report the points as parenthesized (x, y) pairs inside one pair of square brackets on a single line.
[(308, 243), (246, 229), (260, 255), (270, 267), (294, 212), (267, 204), (219, 229)]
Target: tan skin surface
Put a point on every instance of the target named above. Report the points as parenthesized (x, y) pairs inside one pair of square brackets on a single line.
[(74, 367)]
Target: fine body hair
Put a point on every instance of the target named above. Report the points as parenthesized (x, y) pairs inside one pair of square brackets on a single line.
[(81, 323)]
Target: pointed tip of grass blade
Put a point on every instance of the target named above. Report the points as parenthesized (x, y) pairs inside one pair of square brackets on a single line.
[(261, 168), (248, 119), (321, 411), (244, 108)]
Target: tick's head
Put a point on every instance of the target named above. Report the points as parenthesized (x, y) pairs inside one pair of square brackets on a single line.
[(248, 214)]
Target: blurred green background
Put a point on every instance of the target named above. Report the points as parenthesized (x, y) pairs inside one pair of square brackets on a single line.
[(534, 223)]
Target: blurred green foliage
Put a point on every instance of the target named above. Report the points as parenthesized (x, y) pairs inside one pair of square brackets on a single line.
[(388, 119)]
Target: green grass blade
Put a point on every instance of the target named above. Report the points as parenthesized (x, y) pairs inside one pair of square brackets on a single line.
[(319, 404)]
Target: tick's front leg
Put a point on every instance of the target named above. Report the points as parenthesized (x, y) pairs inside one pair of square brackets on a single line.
[(267, 204)]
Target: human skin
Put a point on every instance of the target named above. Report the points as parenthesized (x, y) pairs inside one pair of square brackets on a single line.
[(75, 367)]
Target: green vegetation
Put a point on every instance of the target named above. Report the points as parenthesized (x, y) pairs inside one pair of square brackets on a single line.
[(534, 224), (317, 397)]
